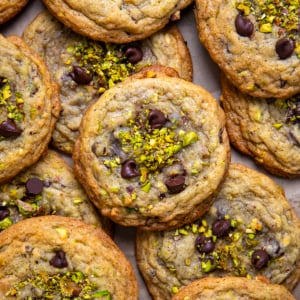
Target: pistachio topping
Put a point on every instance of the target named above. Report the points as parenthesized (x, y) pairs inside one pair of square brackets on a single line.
[(69, 285)]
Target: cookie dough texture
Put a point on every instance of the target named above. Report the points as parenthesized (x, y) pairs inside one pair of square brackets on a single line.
[(56, 192), (9, 8), (258, 127), (260, 218), (250, 62), (144, 200), (27, 250), (31, 98), (232, 288), (116, 21), (56, 43)]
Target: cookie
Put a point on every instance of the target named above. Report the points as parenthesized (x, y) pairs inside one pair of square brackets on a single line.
[(55, 257), (152, 152), (84, 69), (232, 288), (10, 8), (250, 231), (48, 187), (29, 106), (265, 129), (255, 43), (116, 22)]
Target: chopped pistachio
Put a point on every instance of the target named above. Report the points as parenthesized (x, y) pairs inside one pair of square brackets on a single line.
[(5, 223)]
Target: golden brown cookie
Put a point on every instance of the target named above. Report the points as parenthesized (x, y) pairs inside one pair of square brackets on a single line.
[(54, 257), (9, 8), (29, 106), (152, 152)]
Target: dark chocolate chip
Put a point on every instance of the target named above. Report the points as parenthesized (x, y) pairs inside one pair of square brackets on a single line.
[(134, 54), (59, 260), (221, 228), (204, 244), (243, 25), (4, 212), (80, 76), (9, 128), (2, 82), (285, 48), (156, 119), (175, 184), (129, 169), (260, 259), (34, 186)]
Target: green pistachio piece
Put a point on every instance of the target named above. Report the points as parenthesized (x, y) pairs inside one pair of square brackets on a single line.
[(189, 138)]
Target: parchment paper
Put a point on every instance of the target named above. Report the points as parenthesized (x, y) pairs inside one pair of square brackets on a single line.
[(206, 74)]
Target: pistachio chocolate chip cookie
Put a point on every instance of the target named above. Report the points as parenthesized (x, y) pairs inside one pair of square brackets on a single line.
[(232, 288), (29, 106), (48, 187), (255, 43), (250, 231), (84, 69), (152, 152), (10, 8), (266, 129), (55, 257), (121, 21)]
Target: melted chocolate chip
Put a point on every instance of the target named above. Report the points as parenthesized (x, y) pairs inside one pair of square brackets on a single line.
[(4, 212), (243, 25), (134, 54), (9, 128), (80, 76), (59, 260), (34, 186), (129, 169), (284, 48), (260, 259), (175, 184), (204, 244), (156, 119), (221, 228)]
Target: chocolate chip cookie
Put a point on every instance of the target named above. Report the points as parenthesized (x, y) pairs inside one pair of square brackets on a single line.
[(152, 152), (29, 106), (55, 257), (232, 288), (10, 8), (250, 231), (84, 69), (255, 43), (116, 21), (266, 129)]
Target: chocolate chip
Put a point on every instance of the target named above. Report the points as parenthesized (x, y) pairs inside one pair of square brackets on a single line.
[(59, 260), (243, 25), (260, 259), (80, 76), (156, 119), (9, 128), (2, 82), (175, 184), (134, 54), (34, 186), (221, 228), (129, 169), (284, 48), (4, 212), (204, 244)]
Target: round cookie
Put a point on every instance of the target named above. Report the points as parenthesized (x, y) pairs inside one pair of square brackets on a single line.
[(54, 257), (250, 231), (9, 8), (119, 21), (152, 152), (48, 187), (255, 43), (29, 107), (84, 69), (265, 129), (232, 288)]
